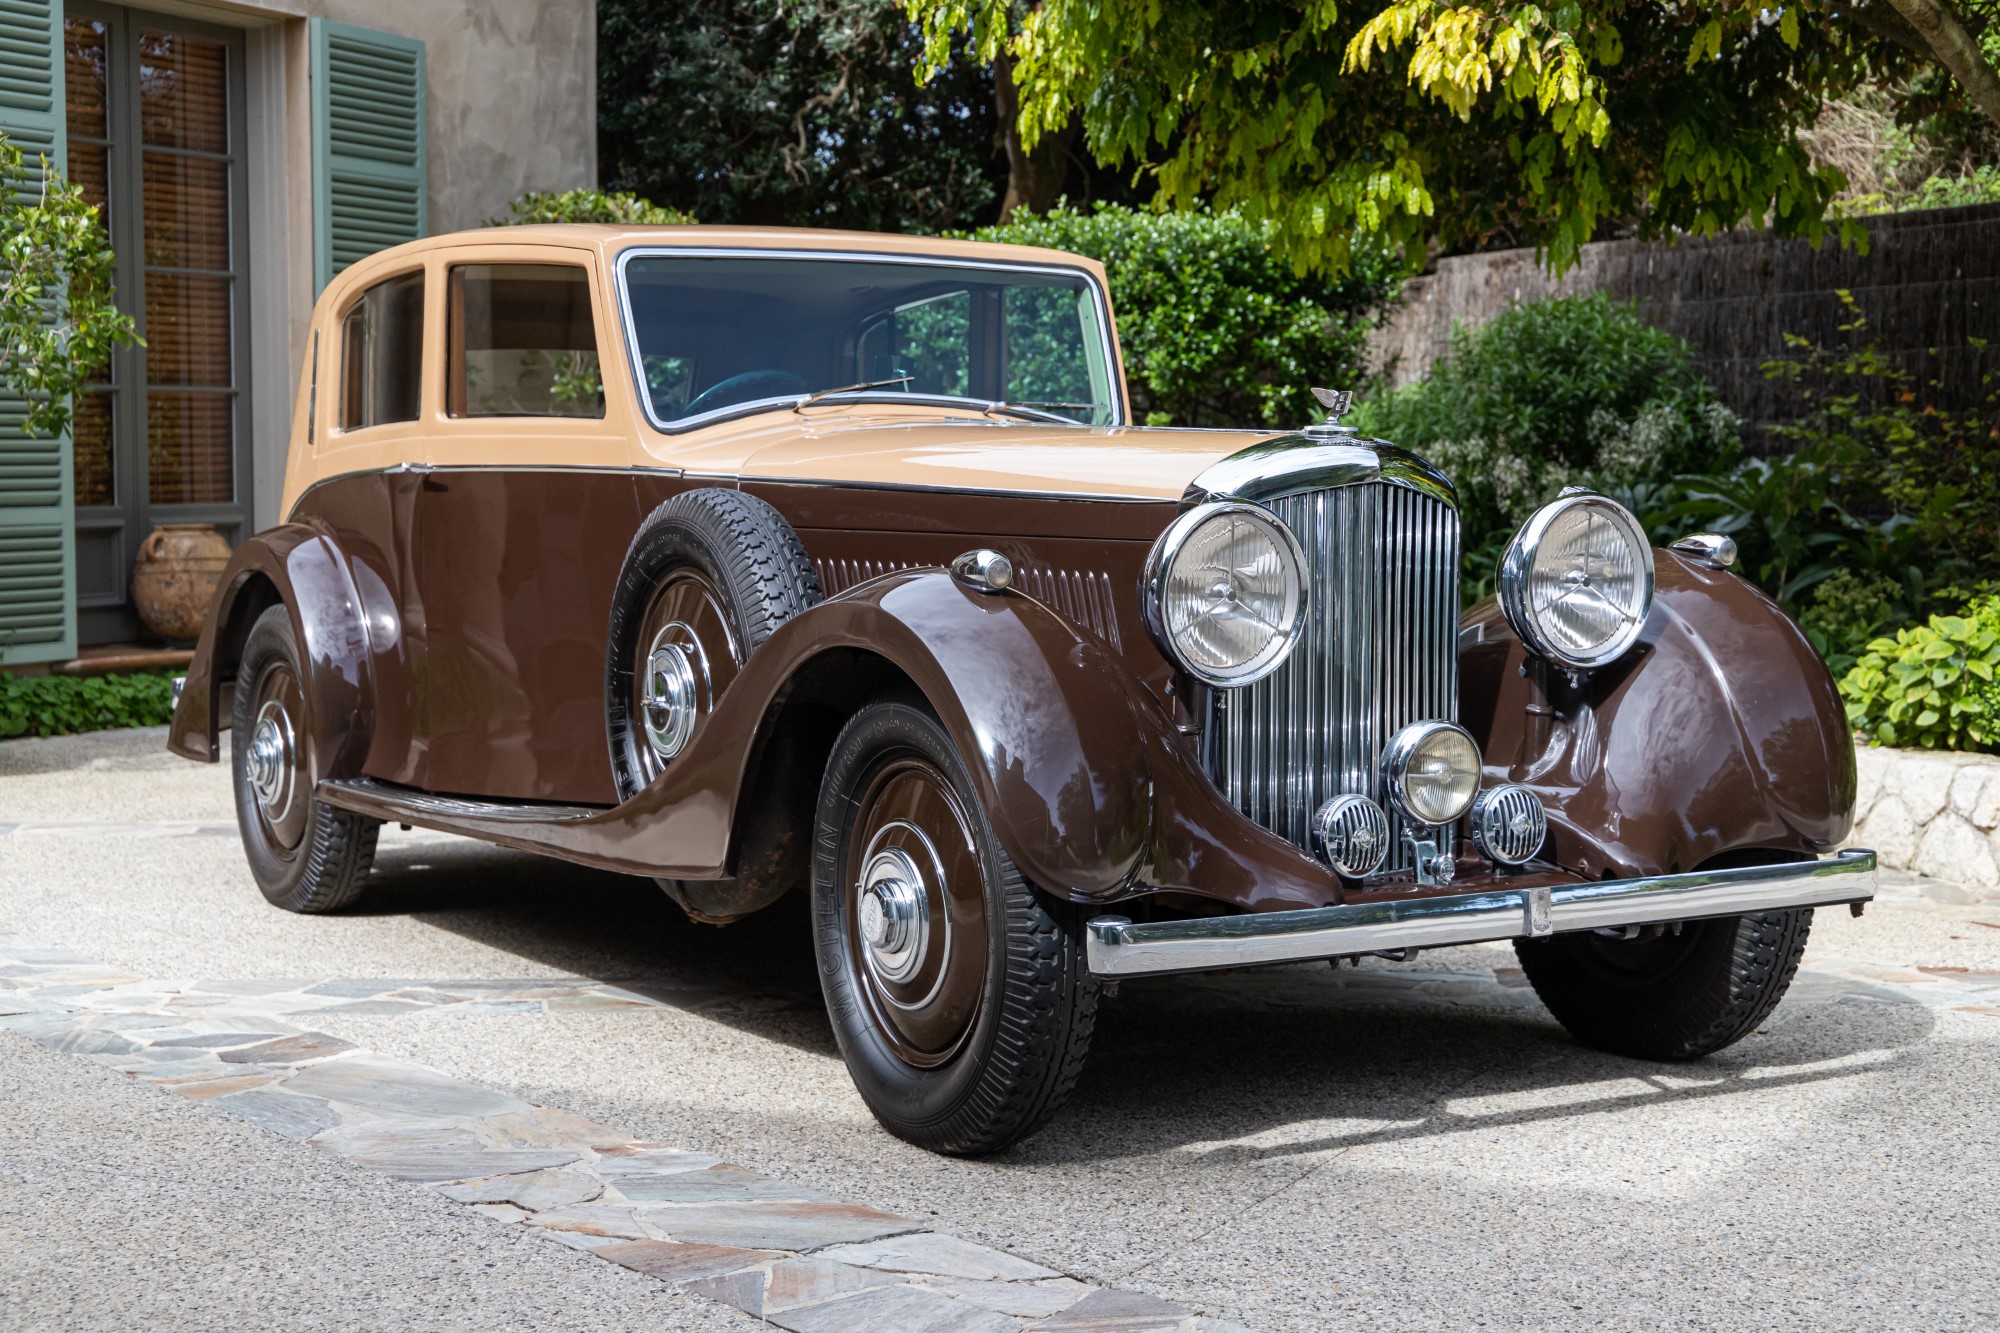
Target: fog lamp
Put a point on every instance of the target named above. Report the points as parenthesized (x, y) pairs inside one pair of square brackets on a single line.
[(1509, 824)]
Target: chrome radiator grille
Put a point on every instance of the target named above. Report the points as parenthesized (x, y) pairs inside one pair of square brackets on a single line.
[(1380, 651)]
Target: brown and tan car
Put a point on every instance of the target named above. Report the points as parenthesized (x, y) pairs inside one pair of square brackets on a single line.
[(761, 561)]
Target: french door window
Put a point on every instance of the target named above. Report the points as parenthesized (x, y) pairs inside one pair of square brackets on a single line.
[(154, 127)]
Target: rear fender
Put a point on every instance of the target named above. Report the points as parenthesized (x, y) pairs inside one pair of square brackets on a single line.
[(1721, 731), (302, 568)]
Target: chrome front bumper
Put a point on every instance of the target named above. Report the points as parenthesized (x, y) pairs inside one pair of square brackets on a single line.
[(1119, 947)]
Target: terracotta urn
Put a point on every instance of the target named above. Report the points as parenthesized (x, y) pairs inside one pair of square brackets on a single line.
[(175, 576)]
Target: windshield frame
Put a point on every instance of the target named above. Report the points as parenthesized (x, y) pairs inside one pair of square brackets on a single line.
[(636, 364)]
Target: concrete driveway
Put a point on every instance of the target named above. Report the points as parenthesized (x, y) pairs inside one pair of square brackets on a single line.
[(1400, 1146)]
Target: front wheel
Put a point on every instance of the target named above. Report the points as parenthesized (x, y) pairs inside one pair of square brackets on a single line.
[(958, 992), (1669, 994)]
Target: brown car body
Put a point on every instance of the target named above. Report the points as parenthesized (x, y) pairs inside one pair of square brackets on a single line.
[(450, 582)]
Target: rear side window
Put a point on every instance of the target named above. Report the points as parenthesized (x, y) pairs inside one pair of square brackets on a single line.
[(382, 354), (522, 342)]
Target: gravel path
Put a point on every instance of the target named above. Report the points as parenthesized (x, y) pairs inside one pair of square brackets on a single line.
[(1398, 1146)]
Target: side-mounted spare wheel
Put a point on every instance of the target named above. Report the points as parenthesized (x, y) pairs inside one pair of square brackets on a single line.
[(710, 575), (305, 856), (959, 992)]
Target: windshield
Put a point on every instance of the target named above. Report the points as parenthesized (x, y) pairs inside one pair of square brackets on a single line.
[(715, 332)]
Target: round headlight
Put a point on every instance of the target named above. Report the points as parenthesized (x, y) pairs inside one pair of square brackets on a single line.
[(1226, 593), (1577, 581), (1431, 771)]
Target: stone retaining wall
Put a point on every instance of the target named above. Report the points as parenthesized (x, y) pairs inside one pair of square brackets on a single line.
[(1933, 812)]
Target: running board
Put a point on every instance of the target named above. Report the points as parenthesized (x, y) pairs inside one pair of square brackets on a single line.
[(518, 824)]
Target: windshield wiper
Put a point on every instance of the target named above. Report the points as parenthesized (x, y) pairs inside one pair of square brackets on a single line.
[(1039, 411), (818, 394)]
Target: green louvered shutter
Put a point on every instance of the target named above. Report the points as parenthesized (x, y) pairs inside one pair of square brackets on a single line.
[(368, 144), (37, 536)]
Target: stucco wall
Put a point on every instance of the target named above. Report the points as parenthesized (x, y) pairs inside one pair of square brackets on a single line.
[(513, 95)]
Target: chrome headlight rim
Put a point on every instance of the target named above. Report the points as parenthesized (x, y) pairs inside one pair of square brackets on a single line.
[(1515, 566), (1159, 562), (1397, 756)]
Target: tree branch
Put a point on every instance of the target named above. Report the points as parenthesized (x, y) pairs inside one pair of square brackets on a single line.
[(1955, 49)]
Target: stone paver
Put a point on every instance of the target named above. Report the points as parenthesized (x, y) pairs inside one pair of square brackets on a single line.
[(788, 1253)]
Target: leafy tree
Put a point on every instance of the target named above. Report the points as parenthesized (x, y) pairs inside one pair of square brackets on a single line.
[(1215, 330), (805, 113), (58, 322), (1461, 126), (766, 113)]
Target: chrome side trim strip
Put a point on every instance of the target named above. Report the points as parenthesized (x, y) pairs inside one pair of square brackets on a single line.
[(1119, 947)]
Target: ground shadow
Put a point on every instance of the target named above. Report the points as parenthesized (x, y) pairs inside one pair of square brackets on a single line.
[(1306, 1058)]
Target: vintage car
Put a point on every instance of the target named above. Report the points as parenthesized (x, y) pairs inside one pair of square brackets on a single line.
[(757, 561)]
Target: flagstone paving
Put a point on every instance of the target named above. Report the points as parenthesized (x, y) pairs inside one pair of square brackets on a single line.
[(789, 1254)]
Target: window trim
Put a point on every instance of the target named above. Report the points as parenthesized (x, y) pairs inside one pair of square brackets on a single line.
[(636, 363), (336, 430), (452, 317)]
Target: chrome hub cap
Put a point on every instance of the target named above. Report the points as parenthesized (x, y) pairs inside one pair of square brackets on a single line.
[(895, 909), (271, 768), (671, 699)]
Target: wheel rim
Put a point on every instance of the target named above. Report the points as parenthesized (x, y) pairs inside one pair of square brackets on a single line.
[(914, 911), (276, 759), (686, 655)]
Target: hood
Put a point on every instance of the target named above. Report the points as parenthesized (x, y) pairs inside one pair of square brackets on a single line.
[(870, 446)]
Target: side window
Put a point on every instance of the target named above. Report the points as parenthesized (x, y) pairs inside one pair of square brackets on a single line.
[(521, 342), (382, 354)]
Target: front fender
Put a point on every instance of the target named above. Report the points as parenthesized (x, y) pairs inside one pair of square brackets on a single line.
[(1721, 731), (301, 567), (1041, 714)]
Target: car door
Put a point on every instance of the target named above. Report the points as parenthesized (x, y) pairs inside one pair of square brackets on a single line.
[(525, 517)]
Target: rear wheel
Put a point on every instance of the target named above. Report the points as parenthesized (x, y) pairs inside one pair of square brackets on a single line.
[(958, 991), (305, 856), (1668, 995)]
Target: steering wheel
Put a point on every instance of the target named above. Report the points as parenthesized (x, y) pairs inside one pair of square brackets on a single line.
[(747, 387)]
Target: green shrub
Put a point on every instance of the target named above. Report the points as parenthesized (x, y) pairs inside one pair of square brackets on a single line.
[(1568, 391), (1215, 330), (1847, 611), (57, 705), (1901, 458), (614, 207), (1932, 686)]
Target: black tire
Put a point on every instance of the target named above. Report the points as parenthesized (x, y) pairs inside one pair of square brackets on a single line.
[(305, 856), (759, 573), (1669, 996), (1031, 999)]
